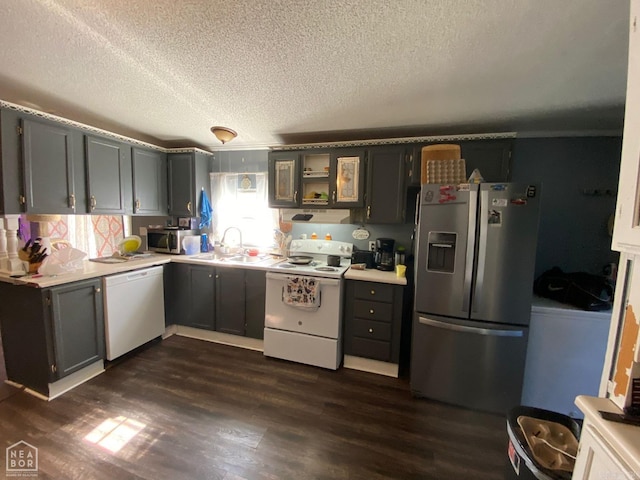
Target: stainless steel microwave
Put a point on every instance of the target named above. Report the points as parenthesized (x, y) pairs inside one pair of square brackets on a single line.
[(165, 240)]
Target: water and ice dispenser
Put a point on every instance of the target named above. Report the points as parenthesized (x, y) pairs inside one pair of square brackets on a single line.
[(442, 252)]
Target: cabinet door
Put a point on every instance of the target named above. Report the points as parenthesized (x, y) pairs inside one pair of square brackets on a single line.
[(149, 182), (413, 160), (202, 284), (626, 232), (177, 294), (230, 301), (181, 168), (596, 460), (347, 178), (255, 288), (284, 179), (48, 167), (78, 325), (107, 169), (491, 157), (386, 197)]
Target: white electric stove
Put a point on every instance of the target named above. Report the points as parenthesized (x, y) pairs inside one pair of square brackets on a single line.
[(303, 309), (319, 250)]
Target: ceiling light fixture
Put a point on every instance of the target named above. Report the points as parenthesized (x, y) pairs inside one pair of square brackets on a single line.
[(224, 134)]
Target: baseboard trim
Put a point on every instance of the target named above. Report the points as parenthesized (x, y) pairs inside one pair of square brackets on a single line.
[(218, 337), (371, 366), (76, 378)]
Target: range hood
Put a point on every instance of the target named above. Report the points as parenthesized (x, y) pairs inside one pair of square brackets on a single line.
[(315, 215)]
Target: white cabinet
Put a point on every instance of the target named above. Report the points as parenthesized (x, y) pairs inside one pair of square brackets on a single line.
[(596, 460), (626, 235), (608, 450)]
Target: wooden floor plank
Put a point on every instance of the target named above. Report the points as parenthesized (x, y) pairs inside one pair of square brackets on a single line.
[(213, 411)]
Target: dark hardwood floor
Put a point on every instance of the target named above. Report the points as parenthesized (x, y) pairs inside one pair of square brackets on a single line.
[(208, 411)]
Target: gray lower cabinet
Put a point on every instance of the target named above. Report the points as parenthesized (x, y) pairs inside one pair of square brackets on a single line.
[(57, 330), (255, 292), (373, 320), (240, 296), (201, 309), (108, 164), (230, 304), (188, 175), (385, 194), (225, 299), (189, 295), (149, 181)]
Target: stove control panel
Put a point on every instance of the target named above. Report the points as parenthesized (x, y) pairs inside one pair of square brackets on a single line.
[(321, 247)]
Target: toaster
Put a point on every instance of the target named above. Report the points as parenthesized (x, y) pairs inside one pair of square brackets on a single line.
[(363, 256)]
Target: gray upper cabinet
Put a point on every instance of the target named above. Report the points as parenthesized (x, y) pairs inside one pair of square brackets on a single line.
[(323, 178), (149, 181), (188, 175), (385, 197), (48, 165), (284, 179), (491, 157), (108, 164), (347, 178)]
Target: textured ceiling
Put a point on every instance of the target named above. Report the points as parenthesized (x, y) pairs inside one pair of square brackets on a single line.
[(292, 71)]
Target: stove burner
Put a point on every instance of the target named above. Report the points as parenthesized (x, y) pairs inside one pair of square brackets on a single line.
[(326, 269)]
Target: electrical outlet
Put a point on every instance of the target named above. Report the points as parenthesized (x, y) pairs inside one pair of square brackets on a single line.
[(372, 246)]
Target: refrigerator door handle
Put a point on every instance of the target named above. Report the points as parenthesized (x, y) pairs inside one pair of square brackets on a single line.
[(471, 234), (466, 329), (416, 215), (482, 250)]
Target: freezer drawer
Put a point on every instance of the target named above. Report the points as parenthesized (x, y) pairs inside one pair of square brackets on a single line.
[(471, 364)]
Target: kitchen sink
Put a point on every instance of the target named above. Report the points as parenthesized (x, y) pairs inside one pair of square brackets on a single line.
[(245, 259), (230, 258)]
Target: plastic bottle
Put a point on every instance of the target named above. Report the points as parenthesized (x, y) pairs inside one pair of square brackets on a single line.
[(314, 236), (327, 236)]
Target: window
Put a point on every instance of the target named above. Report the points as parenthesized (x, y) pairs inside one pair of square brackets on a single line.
[(240, 200)]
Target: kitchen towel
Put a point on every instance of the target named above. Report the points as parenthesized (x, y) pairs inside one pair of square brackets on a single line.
[(302, 292), (206, 212)]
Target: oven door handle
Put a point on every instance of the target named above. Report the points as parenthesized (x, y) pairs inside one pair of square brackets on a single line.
[(282, 277)]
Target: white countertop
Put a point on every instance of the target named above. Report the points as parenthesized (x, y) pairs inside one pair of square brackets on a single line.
[(373, 275), (90, 270), (96, 269), (623, 438)]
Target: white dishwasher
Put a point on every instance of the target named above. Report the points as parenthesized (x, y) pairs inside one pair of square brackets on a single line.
[(134, 309)]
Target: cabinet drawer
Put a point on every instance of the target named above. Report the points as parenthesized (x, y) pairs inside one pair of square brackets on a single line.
[(373, 310), (370, 329), (375, 349), (379, 292)]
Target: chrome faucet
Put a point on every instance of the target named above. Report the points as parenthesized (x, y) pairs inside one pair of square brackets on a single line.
[(224, 235)]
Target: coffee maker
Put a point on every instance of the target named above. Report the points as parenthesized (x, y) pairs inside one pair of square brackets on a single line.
[(384, 254)]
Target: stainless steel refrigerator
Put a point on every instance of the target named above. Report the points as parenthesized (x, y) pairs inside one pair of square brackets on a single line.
[(476, 247)]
